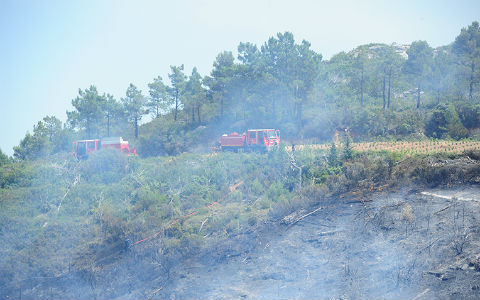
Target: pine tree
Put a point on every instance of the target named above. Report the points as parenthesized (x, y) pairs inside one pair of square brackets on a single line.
[(333, 156), (347, 148)]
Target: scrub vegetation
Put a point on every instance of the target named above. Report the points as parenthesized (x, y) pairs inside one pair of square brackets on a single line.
[(63, 218)]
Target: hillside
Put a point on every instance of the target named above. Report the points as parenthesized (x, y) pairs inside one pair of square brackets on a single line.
[(68, 226), (379, 199)]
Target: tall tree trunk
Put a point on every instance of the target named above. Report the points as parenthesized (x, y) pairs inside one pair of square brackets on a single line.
[(193, 114), (221, 107), (198, 114), (389, 88), (361, 89), (383, 92), (108, 125), (299, 114), (294, 113), (176, 106), (470, 93), (295, 103), (88, 128), (136, 127), (418, 97)]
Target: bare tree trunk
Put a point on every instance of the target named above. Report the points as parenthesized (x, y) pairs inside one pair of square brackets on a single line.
[(108, 125), (221, 107), (418, 97), (470, 94), (389, 88), (136, 127), (383, 92), (299, 114), (176, 106), (361, 89), (88, 128)]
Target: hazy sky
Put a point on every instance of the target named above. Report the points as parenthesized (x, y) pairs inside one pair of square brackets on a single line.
[(50, 49)]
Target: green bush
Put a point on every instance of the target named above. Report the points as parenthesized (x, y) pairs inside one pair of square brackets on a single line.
[(16, 175), (445, 122), (276, 190), (4, 159), (105, 166)]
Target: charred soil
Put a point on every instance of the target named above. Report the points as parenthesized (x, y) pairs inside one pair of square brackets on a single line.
[(418, 244)]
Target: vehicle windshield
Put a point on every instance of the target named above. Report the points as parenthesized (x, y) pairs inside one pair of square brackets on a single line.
[(271, 134), (80, 148)]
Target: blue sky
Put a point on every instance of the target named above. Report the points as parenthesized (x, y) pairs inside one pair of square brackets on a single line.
[(50, 49)]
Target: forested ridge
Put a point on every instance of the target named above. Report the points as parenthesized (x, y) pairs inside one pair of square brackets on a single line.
[(68, 227), (375, 91)]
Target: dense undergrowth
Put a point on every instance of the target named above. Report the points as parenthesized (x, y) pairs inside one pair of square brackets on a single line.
[(59, 215)]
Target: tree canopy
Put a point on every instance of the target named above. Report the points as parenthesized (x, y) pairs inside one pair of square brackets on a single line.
[(374, 91)]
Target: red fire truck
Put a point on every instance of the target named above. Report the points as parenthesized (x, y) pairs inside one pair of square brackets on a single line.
[(82, 148), (260, 140)]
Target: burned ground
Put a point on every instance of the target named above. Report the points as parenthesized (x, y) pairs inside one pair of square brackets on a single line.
[(419, 244)]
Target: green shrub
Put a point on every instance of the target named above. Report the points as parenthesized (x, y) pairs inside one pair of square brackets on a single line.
[(257, 187), (444, 122), (332, 155), (16, 175), (105, 166), (264, 202), (276, 190), (347, 152)]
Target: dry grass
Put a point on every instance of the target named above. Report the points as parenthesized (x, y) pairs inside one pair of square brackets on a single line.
[(407, 148)]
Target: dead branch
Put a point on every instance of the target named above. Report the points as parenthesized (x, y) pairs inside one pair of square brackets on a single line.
[(328, 233), (304, 216), (445, 208), (428, 246), (421, 294), (201, 226), (74, 183)]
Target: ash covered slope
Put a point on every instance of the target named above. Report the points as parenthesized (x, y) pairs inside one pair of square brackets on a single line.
[(65, 235), (399, 245)]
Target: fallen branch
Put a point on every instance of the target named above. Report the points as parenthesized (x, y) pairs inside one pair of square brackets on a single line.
[(319, 224), (74, 183), (421, 294), (304, 216), (447, 207), (358, 201), (140, 173), (428, 246), (201, 226), (328, 233), (154, 292)]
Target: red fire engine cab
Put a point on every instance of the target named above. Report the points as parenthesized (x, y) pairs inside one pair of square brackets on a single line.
[(82, 148), (260, 140)]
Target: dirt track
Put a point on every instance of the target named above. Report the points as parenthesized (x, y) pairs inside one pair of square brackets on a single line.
[(409, 244)]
